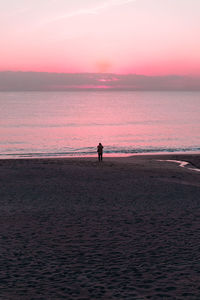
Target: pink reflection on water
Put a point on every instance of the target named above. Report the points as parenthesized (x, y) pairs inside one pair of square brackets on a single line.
[(78, 121), (81, 87)]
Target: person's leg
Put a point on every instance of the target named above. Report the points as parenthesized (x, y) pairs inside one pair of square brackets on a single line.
[(99, 156)]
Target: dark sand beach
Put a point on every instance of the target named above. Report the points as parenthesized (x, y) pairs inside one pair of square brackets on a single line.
[(127, 228)]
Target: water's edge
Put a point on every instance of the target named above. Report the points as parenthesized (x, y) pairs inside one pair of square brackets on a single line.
[(115, 153), (182, 164)]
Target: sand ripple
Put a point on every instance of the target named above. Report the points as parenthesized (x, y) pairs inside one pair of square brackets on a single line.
[(94, 254)]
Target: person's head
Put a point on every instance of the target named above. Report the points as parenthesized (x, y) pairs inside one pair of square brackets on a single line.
[(100, 144)]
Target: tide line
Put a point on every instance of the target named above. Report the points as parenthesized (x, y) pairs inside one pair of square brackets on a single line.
[(182, 164)]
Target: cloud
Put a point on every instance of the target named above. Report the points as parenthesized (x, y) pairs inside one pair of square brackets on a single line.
[(35, 81), (91, 11)]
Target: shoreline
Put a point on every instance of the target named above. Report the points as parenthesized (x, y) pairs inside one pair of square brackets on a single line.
[(190, 158), (108, 155)]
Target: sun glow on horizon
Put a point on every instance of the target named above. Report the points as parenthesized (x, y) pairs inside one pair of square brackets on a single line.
[(146, 37)]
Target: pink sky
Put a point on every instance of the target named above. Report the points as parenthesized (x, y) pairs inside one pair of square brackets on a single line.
[(150, 37)]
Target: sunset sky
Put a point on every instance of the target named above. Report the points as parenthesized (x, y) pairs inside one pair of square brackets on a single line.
[(150, 37)]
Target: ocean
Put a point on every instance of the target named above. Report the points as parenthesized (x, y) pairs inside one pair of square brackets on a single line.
[(66, 124)]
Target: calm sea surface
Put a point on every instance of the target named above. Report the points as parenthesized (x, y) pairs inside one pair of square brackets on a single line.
[(44, 124)]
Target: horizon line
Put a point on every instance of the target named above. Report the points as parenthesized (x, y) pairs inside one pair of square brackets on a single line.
[(101, 73)]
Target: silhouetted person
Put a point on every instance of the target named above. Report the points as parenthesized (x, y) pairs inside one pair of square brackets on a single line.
[(100, 151)]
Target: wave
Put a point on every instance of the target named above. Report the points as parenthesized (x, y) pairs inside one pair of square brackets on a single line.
[(91, 151)]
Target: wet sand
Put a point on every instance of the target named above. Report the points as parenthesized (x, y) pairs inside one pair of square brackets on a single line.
[(127, 228)]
